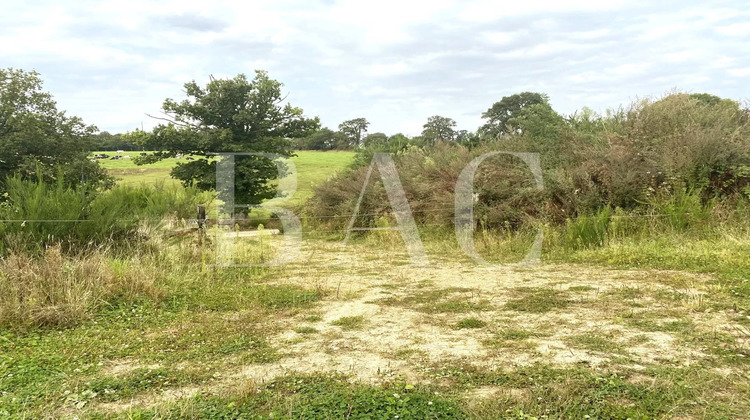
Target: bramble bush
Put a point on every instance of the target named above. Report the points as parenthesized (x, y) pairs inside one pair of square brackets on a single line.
[(675, 156)]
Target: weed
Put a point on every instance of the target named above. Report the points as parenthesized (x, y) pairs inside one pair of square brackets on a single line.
[(595, 342), (538, 300), (305, 330), (470, 323), (349, 323)]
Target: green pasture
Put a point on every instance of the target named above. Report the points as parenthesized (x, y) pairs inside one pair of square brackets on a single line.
[(313, 167)]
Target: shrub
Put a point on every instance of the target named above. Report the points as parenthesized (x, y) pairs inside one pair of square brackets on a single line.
[(667, 159), (504, 186)]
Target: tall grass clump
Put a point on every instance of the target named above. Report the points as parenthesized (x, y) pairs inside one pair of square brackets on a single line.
[(679, 210), (60, 290), (36, 214), (588, 231)]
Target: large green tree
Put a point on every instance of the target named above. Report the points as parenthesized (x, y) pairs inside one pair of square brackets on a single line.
[(235, 115), (38, 140), (500, 114)]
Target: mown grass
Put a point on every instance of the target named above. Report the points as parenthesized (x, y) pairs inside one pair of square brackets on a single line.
[(538, 300), (470, 323), (440, 301), (314, 397), (349, 323)]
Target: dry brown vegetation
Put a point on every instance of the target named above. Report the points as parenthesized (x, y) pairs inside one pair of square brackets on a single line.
[(62, 290)]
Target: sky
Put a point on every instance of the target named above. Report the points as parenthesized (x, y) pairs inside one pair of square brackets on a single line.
[(393, 62)]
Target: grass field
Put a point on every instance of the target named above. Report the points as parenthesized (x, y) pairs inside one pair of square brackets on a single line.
[(312, 168), (127, 172)]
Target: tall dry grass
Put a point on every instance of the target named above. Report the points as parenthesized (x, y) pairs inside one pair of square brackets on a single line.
[(62, 290)]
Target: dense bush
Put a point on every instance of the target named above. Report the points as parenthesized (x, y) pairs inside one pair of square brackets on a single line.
[(684, 150), (504, 188)]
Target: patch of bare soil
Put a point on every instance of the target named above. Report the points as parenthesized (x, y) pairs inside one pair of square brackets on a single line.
[(393, 331), (404, 340)]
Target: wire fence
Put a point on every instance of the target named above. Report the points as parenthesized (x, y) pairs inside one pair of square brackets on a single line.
[(322, 217), (228, 221)]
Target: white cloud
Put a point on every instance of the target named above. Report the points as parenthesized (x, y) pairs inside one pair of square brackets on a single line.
[(395, 62)]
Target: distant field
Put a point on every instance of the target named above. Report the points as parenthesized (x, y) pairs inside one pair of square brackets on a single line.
[(127, 172), (312, 168)]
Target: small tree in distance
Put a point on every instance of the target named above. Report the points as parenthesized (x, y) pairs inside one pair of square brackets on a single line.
[(438, 129), (354, 130), (500, 114)]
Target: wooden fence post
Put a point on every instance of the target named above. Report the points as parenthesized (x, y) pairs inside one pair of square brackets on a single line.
[(201, 217)]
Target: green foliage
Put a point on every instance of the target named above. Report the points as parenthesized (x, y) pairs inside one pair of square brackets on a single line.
[(395, 144), (324, 139), (354, 130), (500, 115), (507, 195), (38, 214), (105, 141), (438, 129), (38, 140), (587, 231), (539, 122), (680, 209), (669, 159), (229, 115)]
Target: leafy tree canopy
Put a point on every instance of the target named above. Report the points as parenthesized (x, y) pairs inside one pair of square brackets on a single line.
[(324, 139), (539, 121), (354, 130), (375, 138), (498, 116), (38, 140), (229, 115), (438, 129)]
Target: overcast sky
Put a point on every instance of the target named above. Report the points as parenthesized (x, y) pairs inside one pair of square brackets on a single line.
[(394, 62)]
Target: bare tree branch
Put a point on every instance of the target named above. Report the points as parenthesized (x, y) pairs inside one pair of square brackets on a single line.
[(169, 120)]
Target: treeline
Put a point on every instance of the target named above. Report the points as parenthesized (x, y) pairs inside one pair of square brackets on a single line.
[(353, 134), (107, 142), (681, 147)]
